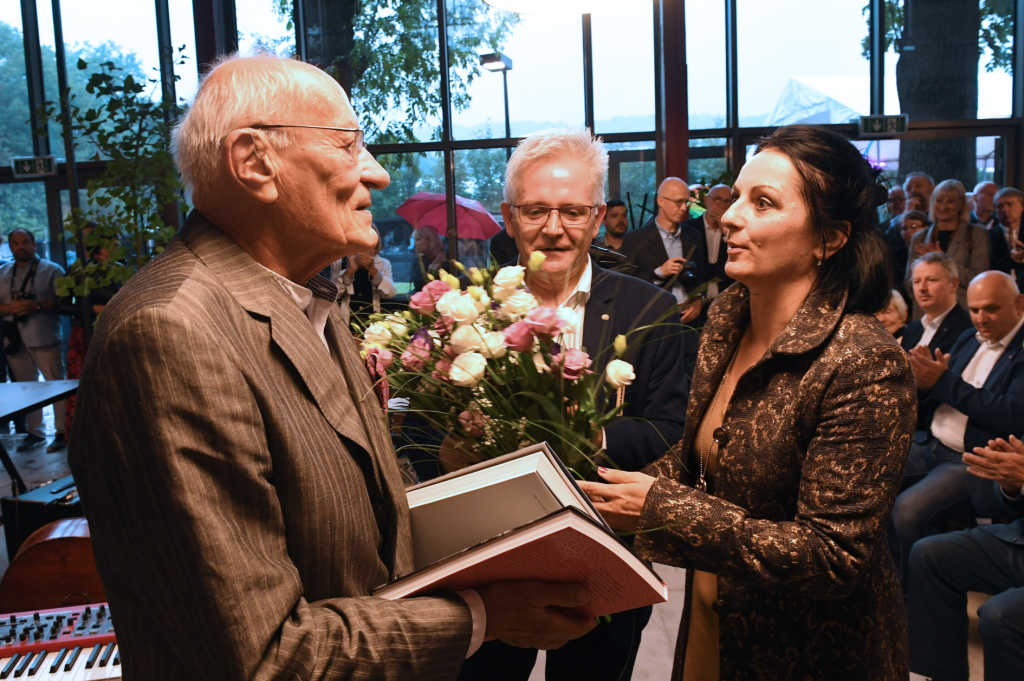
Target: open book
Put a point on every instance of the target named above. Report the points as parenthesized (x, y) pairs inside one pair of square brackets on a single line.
[(515, 518)]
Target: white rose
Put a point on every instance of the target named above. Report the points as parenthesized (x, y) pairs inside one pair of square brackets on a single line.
[(619, 374), (459, 307), (377, 333), (468, 338), (397, 327), (493, 344), (480, 297), (538, 361), (467, 369), (509, 277), (518, 304), (501, 294)]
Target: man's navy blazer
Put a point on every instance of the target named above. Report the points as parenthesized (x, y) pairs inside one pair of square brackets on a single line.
[(994, 410), (955, 323), (656, 400)]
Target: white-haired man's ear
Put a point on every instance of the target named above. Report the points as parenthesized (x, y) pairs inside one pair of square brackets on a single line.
[(251, 164)]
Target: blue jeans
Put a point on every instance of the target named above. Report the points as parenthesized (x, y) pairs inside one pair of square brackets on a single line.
[(942, 570), (940, 489)]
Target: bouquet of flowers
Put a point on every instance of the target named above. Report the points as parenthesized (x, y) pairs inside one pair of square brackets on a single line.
[(485, 366)]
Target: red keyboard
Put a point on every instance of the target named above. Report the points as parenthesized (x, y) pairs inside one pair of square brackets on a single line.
[(62, 643)]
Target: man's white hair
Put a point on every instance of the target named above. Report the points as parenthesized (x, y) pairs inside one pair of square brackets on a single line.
[(579, 145), (266, 95)]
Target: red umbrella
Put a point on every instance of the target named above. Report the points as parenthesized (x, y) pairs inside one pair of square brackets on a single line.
[(429, 210)]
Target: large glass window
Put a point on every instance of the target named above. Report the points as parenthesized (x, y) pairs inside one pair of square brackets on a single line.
[(183, 33), (705, 64), (410, 174), (623, 48), (15, 132), (942, 60), (707, 161), (632, 177), (968, 159), (265, 25), (23, 206), (800, 61), (545, 84)]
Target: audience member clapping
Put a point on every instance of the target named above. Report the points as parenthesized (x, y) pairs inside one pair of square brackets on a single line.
[(986, 559), (952, 233), (935, 282), (974, 394), (365, 279)]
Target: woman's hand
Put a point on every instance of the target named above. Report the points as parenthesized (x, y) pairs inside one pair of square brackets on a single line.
[(621, 501), (933, 247)]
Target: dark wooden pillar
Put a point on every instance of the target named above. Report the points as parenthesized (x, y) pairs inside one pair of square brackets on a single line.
[(216, 31), (672, 120)]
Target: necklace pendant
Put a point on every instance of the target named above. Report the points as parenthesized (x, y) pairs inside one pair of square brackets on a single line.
[(701, 485)]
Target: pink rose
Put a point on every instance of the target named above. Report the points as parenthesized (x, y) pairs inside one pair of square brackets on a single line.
[(422, 302), (442, 369), (472, 423), (519, 337), (416, 355), (444, 324), (437, 288), (383, 354), (545, 322), (571, 364)]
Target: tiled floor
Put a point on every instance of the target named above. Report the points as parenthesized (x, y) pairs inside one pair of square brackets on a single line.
[(654, 661)]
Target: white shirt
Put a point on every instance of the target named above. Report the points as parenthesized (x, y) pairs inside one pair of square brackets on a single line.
[(714, 237), (949, 424), (931, 326), (574, 309), (317, 310)]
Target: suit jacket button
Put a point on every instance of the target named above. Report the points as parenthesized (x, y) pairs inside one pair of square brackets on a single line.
[(604, 317)]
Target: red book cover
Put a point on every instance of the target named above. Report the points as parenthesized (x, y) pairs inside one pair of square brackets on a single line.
[(565, 546)]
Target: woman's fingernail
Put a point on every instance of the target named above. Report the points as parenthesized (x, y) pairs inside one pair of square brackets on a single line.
[(602, 469)]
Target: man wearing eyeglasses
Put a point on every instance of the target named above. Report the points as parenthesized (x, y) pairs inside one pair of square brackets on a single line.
[(233, 461), (668, 253), (554, 203), (713, 254)]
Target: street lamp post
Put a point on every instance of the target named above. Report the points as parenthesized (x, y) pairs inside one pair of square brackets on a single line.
[(496, 61)]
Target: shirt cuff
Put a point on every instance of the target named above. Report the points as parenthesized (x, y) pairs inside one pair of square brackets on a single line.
[(1015, 497), (379, 278), (658, 274), (479, 613)]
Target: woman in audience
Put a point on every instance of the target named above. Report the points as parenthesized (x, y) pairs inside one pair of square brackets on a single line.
[(953, 234), (801, 413), (365, 280), (894, 316), (430, 256)]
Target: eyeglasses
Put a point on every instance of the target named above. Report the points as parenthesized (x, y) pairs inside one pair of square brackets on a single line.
[(572, 216), (678, 202), (354, 148)]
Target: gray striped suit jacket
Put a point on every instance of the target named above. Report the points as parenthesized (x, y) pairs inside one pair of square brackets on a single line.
[(240, 485)]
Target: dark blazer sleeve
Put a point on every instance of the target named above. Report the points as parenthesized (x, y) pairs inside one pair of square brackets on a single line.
[(177, 448), (645, 435), (1000, 250), (1000, 412), (864, 430), (637, 247)]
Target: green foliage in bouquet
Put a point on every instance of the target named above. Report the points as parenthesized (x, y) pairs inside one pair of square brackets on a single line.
[(485, 365)]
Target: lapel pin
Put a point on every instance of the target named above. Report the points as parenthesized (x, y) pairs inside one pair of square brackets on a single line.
[(604, 317)]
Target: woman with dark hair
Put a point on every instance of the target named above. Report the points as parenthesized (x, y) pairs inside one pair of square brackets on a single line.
[(952, 233), (800, 417), (429, 258)]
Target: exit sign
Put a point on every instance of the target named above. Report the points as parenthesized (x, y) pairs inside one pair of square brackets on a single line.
[(884, 126), (34, 166)]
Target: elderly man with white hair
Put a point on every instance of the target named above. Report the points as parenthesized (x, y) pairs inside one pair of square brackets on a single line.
[(554, 203), (233, 461)]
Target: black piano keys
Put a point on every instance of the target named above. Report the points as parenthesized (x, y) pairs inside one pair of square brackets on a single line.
[(72, 658), (60, 657)]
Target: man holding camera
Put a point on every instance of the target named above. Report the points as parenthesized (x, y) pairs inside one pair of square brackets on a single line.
[(31, 328), (668, 253)]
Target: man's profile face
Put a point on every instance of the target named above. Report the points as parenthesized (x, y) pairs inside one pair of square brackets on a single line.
[(1009, 210), (994, 309), (673, 198), (323, 182), (557, 182), (615, 221), (23, 248), (896, 202), (934, 291)]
